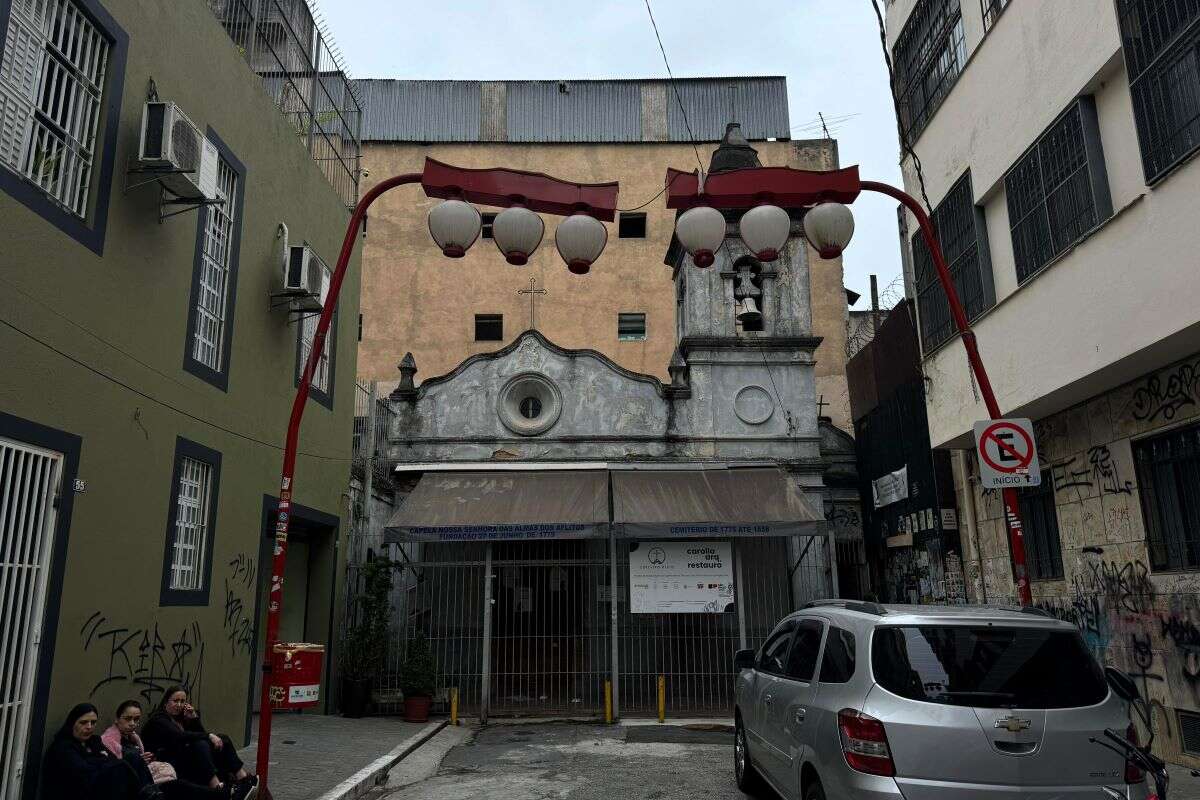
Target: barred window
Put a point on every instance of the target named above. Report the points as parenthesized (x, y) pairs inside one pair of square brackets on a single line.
[(209, 328), (631, 327), (1168, 471), (929, 54), (1058, 191), (51, 84), (1043, 551), (964, 246), (992, 9), (1161, 39), (191, 525), (308, 332)]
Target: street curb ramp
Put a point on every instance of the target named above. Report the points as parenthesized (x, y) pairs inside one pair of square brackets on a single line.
[(376, 773)]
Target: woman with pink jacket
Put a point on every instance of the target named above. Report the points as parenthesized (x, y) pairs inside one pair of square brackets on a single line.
[(122, 740)]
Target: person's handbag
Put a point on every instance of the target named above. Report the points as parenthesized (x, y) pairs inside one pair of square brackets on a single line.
[(161, 772)]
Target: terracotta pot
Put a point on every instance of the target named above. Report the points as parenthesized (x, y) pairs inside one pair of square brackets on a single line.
[(416, 709)]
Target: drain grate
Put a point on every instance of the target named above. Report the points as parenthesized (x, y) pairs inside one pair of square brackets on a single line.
[(1189, 730)]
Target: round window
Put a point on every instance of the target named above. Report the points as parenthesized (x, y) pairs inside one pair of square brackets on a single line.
[(531, 408), (530, 404)]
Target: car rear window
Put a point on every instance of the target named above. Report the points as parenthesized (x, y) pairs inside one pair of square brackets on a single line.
[(987, 666)]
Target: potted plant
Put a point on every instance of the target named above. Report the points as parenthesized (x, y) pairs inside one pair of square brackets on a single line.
[(418, 679), (364, 643)]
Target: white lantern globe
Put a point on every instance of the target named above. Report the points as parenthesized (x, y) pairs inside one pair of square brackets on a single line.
[(518, 232), (829, 228), (765, 230), (580, 240), (701, 230), (454, 226)]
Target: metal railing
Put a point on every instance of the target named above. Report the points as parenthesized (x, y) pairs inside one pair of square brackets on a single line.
[(302, 71), (361, 449)]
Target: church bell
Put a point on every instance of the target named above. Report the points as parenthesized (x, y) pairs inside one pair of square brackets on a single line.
[(747, 311)]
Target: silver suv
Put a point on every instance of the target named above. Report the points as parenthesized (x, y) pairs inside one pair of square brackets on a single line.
[(858, 700)]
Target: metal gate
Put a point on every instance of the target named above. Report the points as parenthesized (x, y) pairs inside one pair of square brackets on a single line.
[(546, 648), (29, 483)]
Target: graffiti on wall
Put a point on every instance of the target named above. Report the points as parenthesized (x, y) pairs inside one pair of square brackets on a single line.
[(239, 593), (1163, 394), (145, 659), (1096, 469)]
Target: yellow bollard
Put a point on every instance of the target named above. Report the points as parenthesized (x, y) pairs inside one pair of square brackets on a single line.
[(454, 705), (662, 698), (608, 702)]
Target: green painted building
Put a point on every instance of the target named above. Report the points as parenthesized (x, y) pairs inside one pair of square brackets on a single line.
[(147, 371)]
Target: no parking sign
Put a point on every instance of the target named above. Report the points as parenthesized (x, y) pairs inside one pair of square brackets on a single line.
[(1007, 454)]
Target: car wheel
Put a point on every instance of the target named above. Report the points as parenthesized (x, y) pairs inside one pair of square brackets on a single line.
[(815, 792), (748, 779)]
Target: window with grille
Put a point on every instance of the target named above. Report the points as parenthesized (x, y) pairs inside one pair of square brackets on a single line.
[(1043, 551), (1058, 191), (322, 377), (992, 9), (190, 523), (1161, 40), (963, 241), (631, 327), (928, 56), (485, 230), (216, 251), (1168, 471), (51, 86), (489, 327)]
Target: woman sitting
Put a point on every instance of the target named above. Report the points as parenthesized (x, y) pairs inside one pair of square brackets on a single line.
[(175, 735), (79, 767), (122, 740)]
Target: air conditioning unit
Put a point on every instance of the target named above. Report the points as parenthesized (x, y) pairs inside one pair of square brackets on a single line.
[(172, 143), (304, 278)]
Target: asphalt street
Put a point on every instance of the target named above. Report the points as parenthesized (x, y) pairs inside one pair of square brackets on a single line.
[(568, 761)]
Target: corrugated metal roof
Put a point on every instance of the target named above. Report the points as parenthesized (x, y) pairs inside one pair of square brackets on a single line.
[(759, 104), (587, 111), (420, 111)]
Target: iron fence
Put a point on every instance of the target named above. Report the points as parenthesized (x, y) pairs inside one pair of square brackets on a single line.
[(361, 451), (302, 71), (548, 647)]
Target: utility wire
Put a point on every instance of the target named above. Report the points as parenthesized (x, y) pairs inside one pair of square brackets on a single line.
[(666, 186), (156, 400), (678, 99), (905, 144)]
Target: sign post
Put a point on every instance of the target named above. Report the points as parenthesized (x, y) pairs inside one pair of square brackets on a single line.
[(1007, 454)]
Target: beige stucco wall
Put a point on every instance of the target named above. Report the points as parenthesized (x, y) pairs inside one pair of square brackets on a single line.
[(415, 300)]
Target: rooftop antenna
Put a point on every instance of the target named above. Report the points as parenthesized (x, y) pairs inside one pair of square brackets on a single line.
[(824, 127)]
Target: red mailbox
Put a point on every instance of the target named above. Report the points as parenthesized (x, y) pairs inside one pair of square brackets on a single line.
[(296, 675)]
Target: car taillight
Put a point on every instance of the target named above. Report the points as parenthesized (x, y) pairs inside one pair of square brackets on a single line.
[(865, 744), (1133, 773)]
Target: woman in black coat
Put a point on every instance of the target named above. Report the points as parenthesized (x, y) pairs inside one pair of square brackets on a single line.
[(79, 767), (175, 735)]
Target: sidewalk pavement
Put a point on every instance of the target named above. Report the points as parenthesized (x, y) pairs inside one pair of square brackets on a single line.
[(315, 757), (1183, 785)]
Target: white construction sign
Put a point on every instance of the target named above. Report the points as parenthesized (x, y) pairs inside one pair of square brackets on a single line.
[(1007, 454), (680, 578)]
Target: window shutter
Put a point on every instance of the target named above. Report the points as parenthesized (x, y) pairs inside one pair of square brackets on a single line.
[(24, 49)]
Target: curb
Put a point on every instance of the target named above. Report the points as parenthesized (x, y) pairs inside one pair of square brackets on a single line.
[(376, 772)]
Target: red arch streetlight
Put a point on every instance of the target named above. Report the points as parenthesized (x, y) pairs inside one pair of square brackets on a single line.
[(454, 225), (829, 226)]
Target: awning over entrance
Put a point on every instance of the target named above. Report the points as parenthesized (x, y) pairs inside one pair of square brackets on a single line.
[(491, 506), (724, 503), (566, 504)]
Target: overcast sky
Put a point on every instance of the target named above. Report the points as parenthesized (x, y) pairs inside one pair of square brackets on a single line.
[(828, 49)]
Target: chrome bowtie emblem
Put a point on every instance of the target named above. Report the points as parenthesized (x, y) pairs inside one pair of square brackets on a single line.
[(1013, 724)]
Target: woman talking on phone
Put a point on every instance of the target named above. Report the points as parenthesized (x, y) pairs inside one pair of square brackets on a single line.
[(175, 735)]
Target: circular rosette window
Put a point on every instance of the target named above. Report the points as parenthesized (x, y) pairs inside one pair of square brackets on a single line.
[(530, 404)]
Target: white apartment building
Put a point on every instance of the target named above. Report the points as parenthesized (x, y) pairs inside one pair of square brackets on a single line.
[(1057, 140)]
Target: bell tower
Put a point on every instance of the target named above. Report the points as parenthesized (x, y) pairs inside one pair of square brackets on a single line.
[(744, 335)]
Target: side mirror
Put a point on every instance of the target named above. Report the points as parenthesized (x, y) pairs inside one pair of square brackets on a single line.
[(743, 659), (1122, 685)]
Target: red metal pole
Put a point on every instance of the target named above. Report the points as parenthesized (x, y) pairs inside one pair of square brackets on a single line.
[(286, 486), (1012, 511)]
